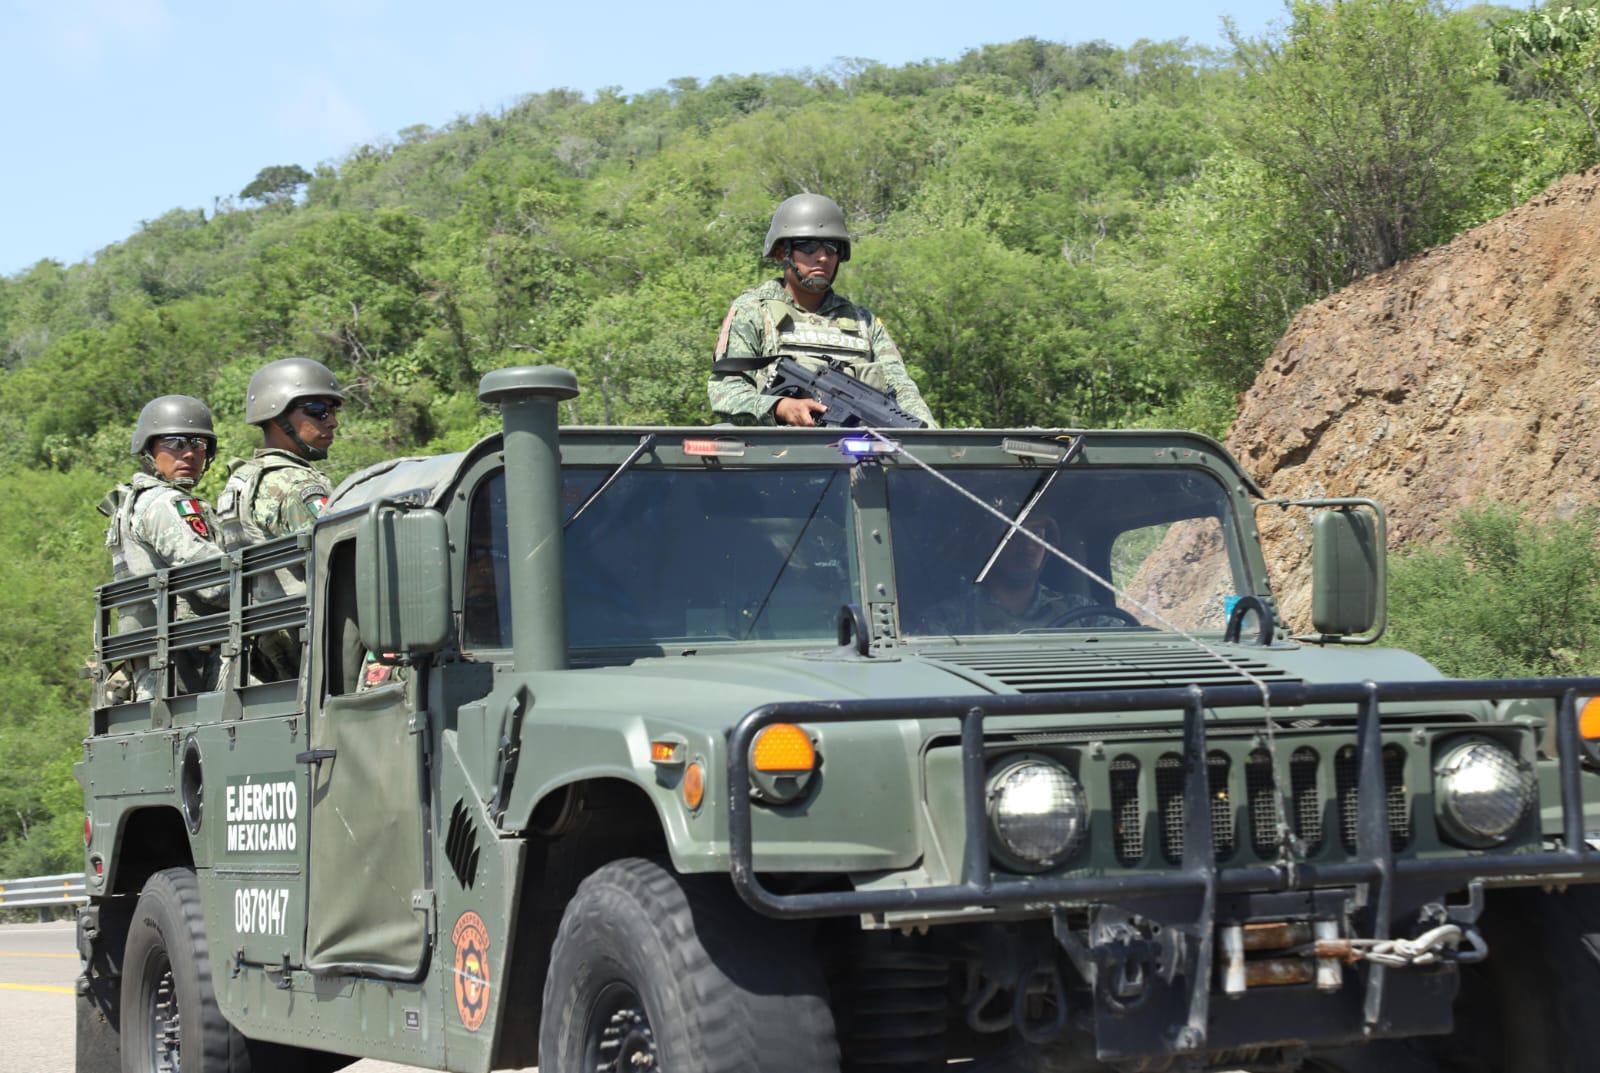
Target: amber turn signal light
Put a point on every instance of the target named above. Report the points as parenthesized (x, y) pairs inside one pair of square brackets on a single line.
[(694, 785), (1589, 719), (783, 748)]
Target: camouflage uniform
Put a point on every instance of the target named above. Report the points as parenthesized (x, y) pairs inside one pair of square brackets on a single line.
[(977, 613), (273, 493), (765, 323), (156, 525)]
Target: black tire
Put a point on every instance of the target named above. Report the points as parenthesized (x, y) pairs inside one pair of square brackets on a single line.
[(649, 967), (1530, 1005), (170, 1019)]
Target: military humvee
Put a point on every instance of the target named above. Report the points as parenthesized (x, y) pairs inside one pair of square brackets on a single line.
[(767, 749)]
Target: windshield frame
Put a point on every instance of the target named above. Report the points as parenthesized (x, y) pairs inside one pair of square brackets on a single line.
[(837, 486), (1237, 538), (604, 448)]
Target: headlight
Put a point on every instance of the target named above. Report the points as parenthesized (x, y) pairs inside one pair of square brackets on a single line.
[(1037, 813), (1483, 792)]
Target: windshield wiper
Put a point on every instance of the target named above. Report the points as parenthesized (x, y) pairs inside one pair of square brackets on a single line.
[(647, 441), (1040, 487)]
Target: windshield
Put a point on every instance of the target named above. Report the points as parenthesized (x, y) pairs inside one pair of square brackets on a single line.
[(680, 556), (1163, 535)]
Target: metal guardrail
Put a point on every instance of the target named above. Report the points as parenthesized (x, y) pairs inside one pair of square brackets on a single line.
[(43, 891)]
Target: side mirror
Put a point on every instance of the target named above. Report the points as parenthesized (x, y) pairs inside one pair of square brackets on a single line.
[(403, 580), (1349, 575)]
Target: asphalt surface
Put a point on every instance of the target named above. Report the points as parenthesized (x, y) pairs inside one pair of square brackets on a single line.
[(38, 963)]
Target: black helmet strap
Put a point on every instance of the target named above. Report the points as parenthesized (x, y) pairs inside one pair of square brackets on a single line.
[(314, 454)]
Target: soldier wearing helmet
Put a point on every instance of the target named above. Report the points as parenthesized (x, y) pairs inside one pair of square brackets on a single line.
[(800, 315), (278, 490), (158, 522)]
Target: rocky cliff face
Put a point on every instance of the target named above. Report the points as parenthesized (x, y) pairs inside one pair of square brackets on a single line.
[(1469, 372)]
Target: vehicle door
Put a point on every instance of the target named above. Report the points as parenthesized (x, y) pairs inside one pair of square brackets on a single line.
[(368, 899)]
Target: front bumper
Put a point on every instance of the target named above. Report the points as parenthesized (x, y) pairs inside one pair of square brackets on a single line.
[(1187, 897)]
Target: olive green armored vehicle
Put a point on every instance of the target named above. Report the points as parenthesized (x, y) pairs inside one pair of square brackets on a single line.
[(760, 749)]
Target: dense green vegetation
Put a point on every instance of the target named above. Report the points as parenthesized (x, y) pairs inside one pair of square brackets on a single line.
[(1055, 233), (1505, 598)]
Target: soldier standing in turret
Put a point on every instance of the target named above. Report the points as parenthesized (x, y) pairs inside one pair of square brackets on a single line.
[(278, 490), (157, 522), (801, 316)]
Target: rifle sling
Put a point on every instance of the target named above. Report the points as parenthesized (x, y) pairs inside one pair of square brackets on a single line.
[(742, 365)]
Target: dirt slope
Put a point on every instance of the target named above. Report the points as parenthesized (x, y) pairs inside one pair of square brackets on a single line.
[(1471, 371)]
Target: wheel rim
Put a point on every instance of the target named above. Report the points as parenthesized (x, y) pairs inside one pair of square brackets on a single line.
[(619, 1038), (166, 1036)]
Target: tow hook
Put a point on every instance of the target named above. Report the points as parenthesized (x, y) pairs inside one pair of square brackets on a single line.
[(1124, 955)]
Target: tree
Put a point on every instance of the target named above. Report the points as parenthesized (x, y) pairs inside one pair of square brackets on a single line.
[(276, 183), (1554, 56), (1362, 109)]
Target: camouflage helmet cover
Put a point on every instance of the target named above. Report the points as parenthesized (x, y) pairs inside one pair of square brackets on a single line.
[(173, 415), (808, 216), (276, 385)]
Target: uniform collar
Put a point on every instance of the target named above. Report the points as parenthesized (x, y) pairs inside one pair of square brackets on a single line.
[(832, 302), (278, 452), (142, 481)]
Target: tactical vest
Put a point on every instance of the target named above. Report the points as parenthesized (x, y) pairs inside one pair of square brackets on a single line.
[(130, 555), (813, 340), (234, 505)]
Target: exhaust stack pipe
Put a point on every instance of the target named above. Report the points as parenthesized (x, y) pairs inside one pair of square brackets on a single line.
[(528, 397)]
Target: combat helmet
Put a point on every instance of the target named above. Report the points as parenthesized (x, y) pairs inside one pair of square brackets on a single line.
[(277, 384), (174, 415), (808, 216)]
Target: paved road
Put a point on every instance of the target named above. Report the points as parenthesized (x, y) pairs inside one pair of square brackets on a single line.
[(38, 963)]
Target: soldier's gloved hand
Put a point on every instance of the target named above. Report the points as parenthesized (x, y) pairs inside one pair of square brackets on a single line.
[(797, 412)]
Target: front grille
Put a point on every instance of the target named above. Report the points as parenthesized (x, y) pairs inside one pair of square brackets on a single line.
[(1263, 803), (1346, 775), (1108, 666), (1169, 803), (1304, 771), (1127, 811), (1253, 819), (1222, 839)]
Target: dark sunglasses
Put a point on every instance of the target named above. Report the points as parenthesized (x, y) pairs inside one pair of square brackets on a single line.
[(179, 444), (812, 246), (317, 410)]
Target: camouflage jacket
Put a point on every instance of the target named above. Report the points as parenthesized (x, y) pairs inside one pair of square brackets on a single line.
[(765, 322), (156, 525), (271, 494)]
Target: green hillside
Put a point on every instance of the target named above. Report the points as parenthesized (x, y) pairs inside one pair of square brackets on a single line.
[(1056, 234)]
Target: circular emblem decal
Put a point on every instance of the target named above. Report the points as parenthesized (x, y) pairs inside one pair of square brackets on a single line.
[(471, 940)]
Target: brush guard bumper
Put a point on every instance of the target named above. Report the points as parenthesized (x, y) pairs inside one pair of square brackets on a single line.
[(1175, 1013)]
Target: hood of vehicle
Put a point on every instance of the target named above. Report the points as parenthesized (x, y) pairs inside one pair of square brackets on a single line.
[(739, 680)]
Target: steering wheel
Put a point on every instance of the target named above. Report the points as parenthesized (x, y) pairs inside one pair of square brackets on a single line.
[(1092, 611)]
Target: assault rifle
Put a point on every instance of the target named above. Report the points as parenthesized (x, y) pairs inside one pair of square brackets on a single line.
[(850, 402)]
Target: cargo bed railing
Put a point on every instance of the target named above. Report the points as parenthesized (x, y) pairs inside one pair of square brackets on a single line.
[(228, 631)]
